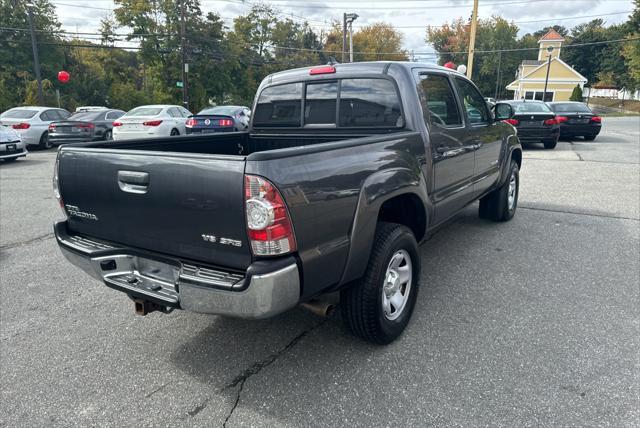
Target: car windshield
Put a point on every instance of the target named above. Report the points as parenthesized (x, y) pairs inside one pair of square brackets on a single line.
[(531, 108), (571, 107), (145, 111), (19, 114), (226, 110), (86, 115)]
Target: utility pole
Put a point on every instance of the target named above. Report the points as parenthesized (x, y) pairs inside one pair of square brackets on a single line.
[(185, 65), (546, 79), (344, 37), (36, 61), (495, 95), (472, 38)]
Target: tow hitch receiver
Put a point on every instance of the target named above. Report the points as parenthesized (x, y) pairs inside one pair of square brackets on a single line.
[(144, 307)]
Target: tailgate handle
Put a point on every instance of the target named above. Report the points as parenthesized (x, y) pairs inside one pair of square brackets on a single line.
[(133, 181)]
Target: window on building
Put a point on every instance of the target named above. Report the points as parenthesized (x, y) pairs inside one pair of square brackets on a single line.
[(529, 95)]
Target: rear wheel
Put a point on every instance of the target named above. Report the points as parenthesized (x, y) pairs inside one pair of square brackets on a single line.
[(378, 307), (501, 204), (174, 132), (44, 141), (108, 135), (10, 160), (550, 144)]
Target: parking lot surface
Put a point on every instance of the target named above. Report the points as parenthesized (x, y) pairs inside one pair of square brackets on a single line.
[(531, 322)]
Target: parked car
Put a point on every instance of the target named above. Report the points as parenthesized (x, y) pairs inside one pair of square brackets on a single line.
[(224, 223), (32, 123), (578, 120), (84, 126), (11, 146), (151, 121), (535, 122), (219, 119)]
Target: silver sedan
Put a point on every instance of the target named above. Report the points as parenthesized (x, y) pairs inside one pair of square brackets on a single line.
[(32, 123), (11, 146)]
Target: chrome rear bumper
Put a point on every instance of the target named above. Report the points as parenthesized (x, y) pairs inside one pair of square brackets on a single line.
[(175, 284)]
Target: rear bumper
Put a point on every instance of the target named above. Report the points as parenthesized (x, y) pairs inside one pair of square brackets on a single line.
[(19, 151), (209, 130), (580, 129), (538, 134), (261, 292), (66, 139)]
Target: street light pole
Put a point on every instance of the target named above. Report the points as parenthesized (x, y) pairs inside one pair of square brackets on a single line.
[(350, 17), (36, 60), (546, 80)]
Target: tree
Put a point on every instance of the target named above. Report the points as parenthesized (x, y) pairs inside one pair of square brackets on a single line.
[(576, 94), (378, 42)]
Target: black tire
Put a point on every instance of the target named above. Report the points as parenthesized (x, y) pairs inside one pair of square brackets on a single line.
[(174, 132), (108, 135), (495, 205), (10, 160), (589, 137), (362, 303), (44, 141), (550, 144)]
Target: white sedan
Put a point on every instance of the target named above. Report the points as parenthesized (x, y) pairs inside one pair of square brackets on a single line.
[(32, 123), (11, 146), (151, 121)]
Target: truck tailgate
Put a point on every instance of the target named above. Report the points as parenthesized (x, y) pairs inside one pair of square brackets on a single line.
[(184, 205)]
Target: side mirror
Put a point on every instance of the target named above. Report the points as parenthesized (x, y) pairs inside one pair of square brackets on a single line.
[(502, 111)]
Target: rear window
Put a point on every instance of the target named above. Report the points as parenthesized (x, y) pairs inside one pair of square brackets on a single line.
[(224, 110), (86, 116), (371, 103), (19, 114), (570, 107), (362, 103), (145, 111), (531, 108)]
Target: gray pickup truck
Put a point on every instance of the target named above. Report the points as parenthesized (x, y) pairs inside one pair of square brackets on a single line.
[(344, 170)]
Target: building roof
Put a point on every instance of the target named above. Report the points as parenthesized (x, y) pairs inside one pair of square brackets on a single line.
[(552, 35), (531, 62)]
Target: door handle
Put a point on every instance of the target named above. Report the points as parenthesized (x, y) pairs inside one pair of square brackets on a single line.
[(133, 181)]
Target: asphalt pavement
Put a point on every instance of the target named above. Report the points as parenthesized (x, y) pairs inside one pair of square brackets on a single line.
[(531, 322)]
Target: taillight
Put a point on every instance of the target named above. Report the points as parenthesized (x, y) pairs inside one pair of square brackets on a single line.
[(117, 123), (152, 123), (56, 185), (596, 119), (553, 121), (52, 127), (268, 222), (86, 125), (22, 125), (513, 122), (329, 69), (225, 122), (191, 122), (562, 119)]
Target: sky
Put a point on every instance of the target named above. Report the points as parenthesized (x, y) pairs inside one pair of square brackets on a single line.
[(408, 16)]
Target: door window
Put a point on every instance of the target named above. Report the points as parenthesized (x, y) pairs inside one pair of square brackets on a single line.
[(174, 112), (114, 115), (440, 100), (473, 102)]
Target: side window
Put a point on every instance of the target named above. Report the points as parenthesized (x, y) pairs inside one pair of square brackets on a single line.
[(112, 115), (63, 114), (441, 102), (279, 106), (473, 102), (320, 103), (370, 103), (185, 112), (174, 112), (48, 116)]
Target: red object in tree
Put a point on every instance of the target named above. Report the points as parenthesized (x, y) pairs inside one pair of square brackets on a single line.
[(63, 76), (450, 65)]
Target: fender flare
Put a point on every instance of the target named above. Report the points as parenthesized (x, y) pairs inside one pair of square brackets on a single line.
[(375, 191)]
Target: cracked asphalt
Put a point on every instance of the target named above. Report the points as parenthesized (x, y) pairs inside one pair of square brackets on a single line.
[(532, 322)]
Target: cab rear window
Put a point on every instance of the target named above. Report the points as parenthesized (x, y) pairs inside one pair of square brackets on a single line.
[(345, 103)]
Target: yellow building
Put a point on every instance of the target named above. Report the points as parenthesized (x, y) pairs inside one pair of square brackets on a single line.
[(531, 75)]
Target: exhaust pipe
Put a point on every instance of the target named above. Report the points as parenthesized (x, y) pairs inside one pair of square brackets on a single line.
[(323, 309)]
